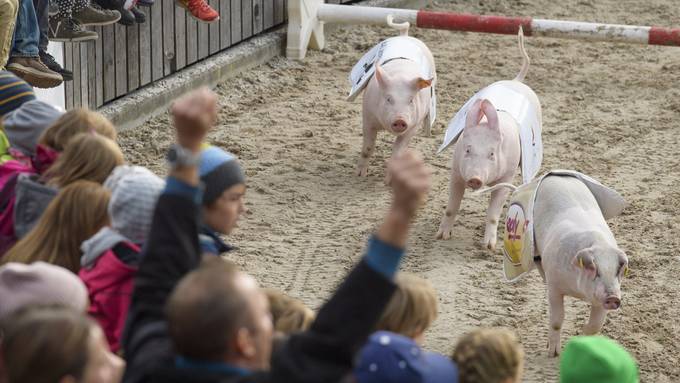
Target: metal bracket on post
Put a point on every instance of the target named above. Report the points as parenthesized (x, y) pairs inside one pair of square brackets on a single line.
[(304, 28)]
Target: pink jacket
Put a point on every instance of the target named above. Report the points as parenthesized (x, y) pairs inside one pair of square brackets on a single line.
[(109, 283)]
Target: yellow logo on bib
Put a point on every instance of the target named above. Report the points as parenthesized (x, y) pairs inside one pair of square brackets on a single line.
[(515, 230)]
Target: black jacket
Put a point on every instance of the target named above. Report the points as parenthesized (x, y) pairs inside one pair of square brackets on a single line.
[(324, 353)]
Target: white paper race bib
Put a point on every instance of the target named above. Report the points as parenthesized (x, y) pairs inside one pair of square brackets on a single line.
[(505, 98), (518, 238)]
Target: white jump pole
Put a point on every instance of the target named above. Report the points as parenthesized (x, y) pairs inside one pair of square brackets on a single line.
[(306, 19)]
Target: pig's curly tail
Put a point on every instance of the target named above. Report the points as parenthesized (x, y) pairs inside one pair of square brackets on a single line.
[(401, 27)]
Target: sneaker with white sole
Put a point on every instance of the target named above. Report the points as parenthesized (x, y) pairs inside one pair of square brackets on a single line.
[(34, 72), (69, 30)]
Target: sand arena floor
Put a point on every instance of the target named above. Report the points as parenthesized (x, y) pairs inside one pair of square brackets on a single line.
[(610, 110)]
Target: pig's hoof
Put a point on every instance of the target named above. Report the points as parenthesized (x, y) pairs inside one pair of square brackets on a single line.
[(489, 245), (553, 350), (362, 171), (444, 233)]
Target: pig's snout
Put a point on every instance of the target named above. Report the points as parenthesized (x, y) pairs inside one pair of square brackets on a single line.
[(612, 303), (474, 183), (399, 126)]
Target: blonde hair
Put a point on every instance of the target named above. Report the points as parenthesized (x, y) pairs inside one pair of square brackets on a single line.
[(73, 122), (88, 157), (412, 309), (75, 214), (289, 314), (488, 355)]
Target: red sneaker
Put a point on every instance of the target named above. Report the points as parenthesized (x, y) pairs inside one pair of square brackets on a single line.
[(199, 10)]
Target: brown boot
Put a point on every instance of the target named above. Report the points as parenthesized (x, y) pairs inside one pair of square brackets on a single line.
[(34, 72)]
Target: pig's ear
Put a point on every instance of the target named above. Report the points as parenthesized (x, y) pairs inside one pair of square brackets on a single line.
[(381, 76), (474, 114), (422, 83), (584, 261), (491, 115)]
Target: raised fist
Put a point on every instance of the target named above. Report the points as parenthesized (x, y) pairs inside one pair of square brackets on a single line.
[(194, 114), (410, 181)]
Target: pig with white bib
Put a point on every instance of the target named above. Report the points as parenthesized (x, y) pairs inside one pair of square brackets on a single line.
[(578, 253), (399, 77), (499, 126), (557, 223)]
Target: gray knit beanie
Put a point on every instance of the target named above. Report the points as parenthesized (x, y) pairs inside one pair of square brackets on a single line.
[(134, 192), (39, 283)]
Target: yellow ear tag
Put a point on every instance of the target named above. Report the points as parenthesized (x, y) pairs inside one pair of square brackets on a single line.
[(580, 262), (626, 272)]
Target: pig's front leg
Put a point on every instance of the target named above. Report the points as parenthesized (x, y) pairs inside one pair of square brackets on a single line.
[(597, 316), (367, 149), (456, 192), (493, 214), (556, 313)]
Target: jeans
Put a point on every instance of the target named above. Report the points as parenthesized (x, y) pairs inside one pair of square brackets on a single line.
[(41, 11), (27, 33), (8, 17)]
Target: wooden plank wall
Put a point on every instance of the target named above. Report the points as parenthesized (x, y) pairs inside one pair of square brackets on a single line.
[(124, 59)]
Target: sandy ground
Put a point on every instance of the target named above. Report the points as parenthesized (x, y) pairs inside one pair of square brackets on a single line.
[(610, 110)]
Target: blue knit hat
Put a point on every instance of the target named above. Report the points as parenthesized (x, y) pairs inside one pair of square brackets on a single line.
[(219, 171), (13, 92)]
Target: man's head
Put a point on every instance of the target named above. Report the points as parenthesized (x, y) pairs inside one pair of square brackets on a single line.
[(218, 313), (224, 181)]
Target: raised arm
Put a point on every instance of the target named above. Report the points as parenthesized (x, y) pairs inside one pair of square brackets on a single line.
[(326, 352), (172, 248)]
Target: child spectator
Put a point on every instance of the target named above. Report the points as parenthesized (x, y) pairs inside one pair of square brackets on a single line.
[(393, 358), (110, 258), (88, 156), (48, 344), (73, 122), (76, 214), (288, 314), (596, 359), (412, 309), (39, 284), (223, 198), (8, 17), (489, 355)]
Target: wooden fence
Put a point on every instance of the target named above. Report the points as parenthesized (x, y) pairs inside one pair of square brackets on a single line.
[(127, 58)]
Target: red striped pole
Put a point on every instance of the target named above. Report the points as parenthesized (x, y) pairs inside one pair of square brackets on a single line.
[(551, 28), (307, 17)]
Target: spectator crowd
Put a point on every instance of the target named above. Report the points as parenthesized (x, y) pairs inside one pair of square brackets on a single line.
[(110, 273), (27, 26)]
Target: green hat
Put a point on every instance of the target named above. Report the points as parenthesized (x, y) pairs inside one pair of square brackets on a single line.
[(596, 359)]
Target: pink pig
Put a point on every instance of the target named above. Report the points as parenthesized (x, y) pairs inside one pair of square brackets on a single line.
[(579, 255), (396, 99), (487, 153)]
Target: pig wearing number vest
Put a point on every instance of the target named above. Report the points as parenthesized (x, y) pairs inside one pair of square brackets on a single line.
[(579, 256), (488, 149), (396, 99)]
